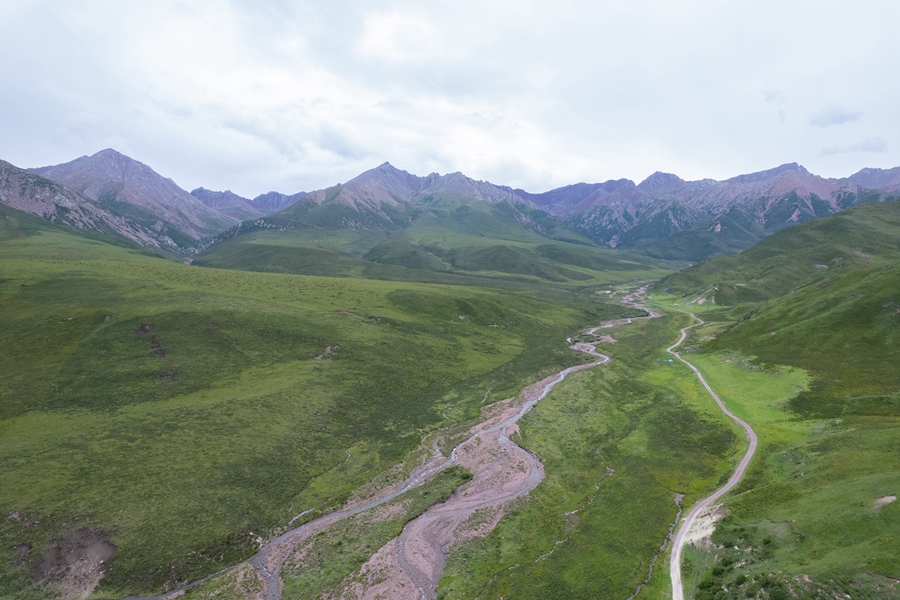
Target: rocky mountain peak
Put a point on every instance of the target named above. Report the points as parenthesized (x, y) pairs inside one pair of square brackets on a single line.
[(396, 182), (273, 201), (883, 179), (112, 177), (212, 198), (661, 183), (769, 173)]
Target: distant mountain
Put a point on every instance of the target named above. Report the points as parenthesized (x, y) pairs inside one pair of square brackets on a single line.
[(386, 199), (241, 208), (387, 186), (448, 224), (663, 216), (134, 190), (570, 199), (666, 216), (27, 192), (882, 179), (273, 201), (228, 203)]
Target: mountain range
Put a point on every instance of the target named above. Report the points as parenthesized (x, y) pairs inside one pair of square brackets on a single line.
[(663, 216), (241, 208), (708, 217)]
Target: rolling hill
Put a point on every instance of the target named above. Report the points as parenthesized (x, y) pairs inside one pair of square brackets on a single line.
[(824, 298)]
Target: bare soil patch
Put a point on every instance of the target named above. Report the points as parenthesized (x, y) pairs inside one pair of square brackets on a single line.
[(885, 500), (703, 526), (74, 565), (327, 352)]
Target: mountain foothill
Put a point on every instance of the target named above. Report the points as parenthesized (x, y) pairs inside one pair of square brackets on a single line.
[(663, 217)]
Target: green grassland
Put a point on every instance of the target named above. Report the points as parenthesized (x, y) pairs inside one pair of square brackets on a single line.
[(444, 239), (618, 443), (182, 411), (823, 297), (805, 519), (495, 263)]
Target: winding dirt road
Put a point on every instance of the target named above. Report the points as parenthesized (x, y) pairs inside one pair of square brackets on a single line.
[(680, 537)]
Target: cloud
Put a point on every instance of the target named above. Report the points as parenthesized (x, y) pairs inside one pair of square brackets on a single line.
[(876, 145), (776, 97), (278, 94), (834, 115)]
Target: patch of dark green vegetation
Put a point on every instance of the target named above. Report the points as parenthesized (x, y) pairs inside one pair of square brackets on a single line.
[(742, 568)]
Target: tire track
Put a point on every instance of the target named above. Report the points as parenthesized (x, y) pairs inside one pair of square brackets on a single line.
[(679, 541)]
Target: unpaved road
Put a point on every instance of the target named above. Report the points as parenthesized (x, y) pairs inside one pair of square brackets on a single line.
[(502, 471), (679, 541)]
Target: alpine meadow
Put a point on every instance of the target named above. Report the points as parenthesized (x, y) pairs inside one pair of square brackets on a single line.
[(449, 301), (312, 385)]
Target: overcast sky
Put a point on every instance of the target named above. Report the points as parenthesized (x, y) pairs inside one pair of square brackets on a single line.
[(259, 95)]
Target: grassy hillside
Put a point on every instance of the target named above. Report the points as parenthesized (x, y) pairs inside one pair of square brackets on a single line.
[(445, 240), (178, 413), (808, 254), (736, 232), (619, 443), (739, 228), (823, 297)]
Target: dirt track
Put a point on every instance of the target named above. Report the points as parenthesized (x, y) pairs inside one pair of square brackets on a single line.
[(681, 537), (502, 471)]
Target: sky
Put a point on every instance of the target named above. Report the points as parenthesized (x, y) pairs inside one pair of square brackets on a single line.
[(265, 95)]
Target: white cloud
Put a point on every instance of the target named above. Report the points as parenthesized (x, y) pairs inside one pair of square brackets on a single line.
[(263, 95), (875, 145), (834, 115)]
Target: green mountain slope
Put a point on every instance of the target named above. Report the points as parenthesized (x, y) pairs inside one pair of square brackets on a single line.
[(739, 228), (860, 238), (170, 414), (444, 238), (823, 297)]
